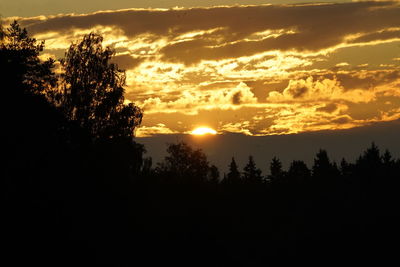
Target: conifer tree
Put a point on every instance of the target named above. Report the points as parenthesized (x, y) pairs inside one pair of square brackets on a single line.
[(322, 166), (299, 171), (22, 70), (233, 176), (275, 168), (251, 173)]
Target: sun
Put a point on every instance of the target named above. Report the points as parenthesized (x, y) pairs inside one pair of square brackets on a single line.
[(203, 131)]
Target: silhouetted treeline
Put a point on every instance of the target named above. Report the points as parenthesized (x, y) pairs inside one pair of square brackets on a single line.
[(79, 191)]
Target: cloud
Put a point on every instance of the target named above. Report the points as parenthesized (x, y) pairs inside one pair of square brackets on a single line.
[(230, 32), (366, 79), (309, 90), (147, 131), (242, 94), (342, 119), (329, 108), (378, 36), (236, 98), (126, 61), (240, 127), (342, 64), (191, 102)]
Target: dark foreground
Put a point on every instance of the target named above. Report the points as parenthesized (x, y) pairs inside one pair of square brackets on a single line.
[(103, 204)]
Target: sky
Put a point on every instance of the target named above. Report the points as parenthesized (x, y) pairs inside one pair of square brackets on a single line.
[(258, 68)]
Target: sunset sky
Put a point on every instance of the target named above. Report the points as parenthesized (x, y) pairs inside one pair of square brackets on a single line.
[(252, 67), (241, 66)]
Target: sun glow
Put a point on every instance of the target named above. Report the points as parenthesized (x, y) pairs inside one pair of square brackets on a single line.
[(203, 131)]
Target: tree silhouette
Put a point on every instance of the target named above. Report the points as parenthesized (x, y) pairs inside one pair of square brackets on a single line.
[(25, 81), (299, 171), (184, 162), (233, 176), (370, 162), (214, 174), (370, 156), (251, 173), (275, 169), (387, 159), (23, 71), (92, 92), (323, 168)]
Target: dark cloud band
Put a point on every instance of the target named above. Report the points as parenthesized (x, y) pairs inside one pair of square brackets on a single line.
[(304, 27)]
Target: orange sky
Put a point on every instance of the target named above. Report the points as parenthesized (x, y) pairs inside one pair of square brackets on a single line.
[(257, 70)]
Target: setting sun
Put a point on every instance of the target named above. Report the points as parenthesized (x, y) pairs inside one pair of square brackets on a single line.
[(203, 131)]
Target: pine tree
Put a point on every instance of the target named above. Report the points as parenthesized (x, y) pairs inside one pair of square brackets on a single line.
[(22, 70), (370, 162), (387, 159), (322, 166), (233, 176), (251, 173), (275, 169), (299, 171)]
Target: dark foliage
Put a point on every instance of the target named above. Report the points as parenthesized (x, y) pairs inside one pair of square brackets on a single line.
[(233, 176), (21, 68), (92, 92), (251, 174), (276, 171), (69, 200), (182, 161)]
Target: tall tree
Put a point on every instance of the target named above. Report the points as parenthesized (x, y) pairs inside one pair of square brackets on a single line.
[(275, 169), (214, 174), (370, 156), (370, 162), (322, 165), (92, 92), (387, 159), (251, 173), (25, 79), (22, 70), (233, 176)]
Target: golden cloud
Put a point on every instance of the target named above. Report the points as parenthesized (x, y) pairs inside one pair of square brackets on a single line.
[(308, 90), (226, 32), (191, 102), (146, 131)]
